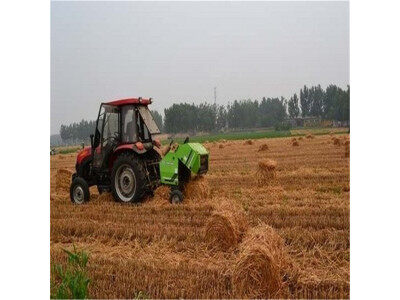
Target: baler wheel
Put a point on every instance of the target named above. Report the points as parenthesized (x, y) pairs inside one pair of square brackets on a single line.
[(176, 196)]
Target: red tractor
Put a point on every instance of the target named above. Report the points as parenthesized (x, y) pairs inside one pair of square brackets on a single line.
[(122, 158)]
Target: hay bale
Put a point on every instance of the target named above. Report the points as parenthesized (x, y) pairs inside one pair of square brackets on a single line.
[(261, 266), (161, 194), (263, 147), (336, 141), (226, 226), (164, 150), (197, 188), (248, 142), (295, 144), (266, 171), (63, 181)]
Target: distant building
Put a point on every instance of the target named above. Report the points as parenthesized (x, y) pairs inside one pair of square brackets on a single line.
[(315, 122)]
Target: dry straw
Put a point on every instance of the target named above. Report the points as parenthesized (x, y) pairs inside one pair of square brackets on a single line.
[(261, 265), (161, 194), (295, 143), (197, 189), (336, 141), (221, 146), (266, 170), (263, 147), (309, 136), (248, 142), (226, 226), (63, 180), (347, 148)]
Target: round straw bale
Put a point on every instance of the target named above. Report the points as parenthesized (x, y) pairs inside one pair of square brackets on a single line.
[(261, 265), (63, 180), (263, 147), (226, 226), (197, 188)]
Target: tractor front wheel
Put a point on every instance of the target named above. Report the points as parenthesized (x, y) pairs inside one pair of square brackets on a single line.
[(79, 191), (128, 179)]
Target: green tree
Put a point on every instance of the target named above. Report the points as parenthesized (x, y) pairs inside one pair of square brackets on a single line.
[(305, 101), (293, 106), (272, 111), (158, 119)]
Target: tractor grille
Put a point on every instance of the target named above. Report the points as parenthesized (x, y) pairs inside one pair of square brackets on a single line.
[(203, 164)]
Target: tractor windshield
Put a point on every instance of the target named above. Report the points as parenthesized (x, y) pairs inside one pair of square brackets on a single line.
[(137, 124), (148, 120)]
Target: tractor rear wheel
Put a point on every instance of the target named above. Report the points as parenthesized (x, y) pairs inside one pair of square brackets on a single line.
[(128, 179), (79, 191)]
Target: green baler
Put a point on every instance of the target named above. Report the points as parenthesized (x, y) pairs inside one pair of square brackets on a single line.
[(177, 166)]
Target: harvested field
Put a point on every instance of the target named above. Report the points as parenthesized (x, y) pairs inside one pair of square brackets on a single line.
[(163, 250), (263, 147)]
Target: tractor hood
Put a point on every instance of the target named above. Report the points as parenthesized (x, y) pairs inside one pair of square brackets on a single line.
[(84, 153)]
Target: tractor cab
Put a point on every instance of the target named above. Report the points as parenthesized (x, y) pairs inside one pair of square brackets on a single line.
[(119, 124)]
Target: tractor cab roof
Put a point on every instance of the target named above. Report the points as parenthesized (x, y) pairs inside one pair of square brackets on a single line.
[(137, 101)]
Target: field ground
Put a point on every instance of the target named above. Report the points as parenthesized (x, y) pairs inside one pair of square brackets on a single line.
[(159, 249)]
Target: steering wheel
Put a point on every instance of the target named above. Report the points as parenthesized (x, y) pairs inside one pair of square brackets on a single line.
[(113, 138)]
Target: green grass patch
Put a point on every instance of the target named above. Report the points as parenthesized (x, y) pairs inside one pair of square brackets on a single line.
[(259, 134), (71, 281), (234, 136), (68, 150)]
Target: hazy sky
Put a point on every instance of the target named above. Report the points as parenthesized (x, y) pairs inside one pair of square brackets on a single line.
[(178, 51)]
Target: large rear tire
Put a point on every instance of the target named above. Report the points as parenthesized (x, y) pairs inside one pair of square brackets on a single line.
[(128, 181)]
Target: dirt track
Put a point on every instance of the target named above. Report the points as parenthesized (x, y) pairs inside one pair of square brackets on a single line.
[(160, 249)]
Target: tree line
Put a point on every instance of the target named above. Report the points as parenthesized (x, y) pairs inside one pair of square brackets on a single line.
[(330, 104), (333, 103)]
